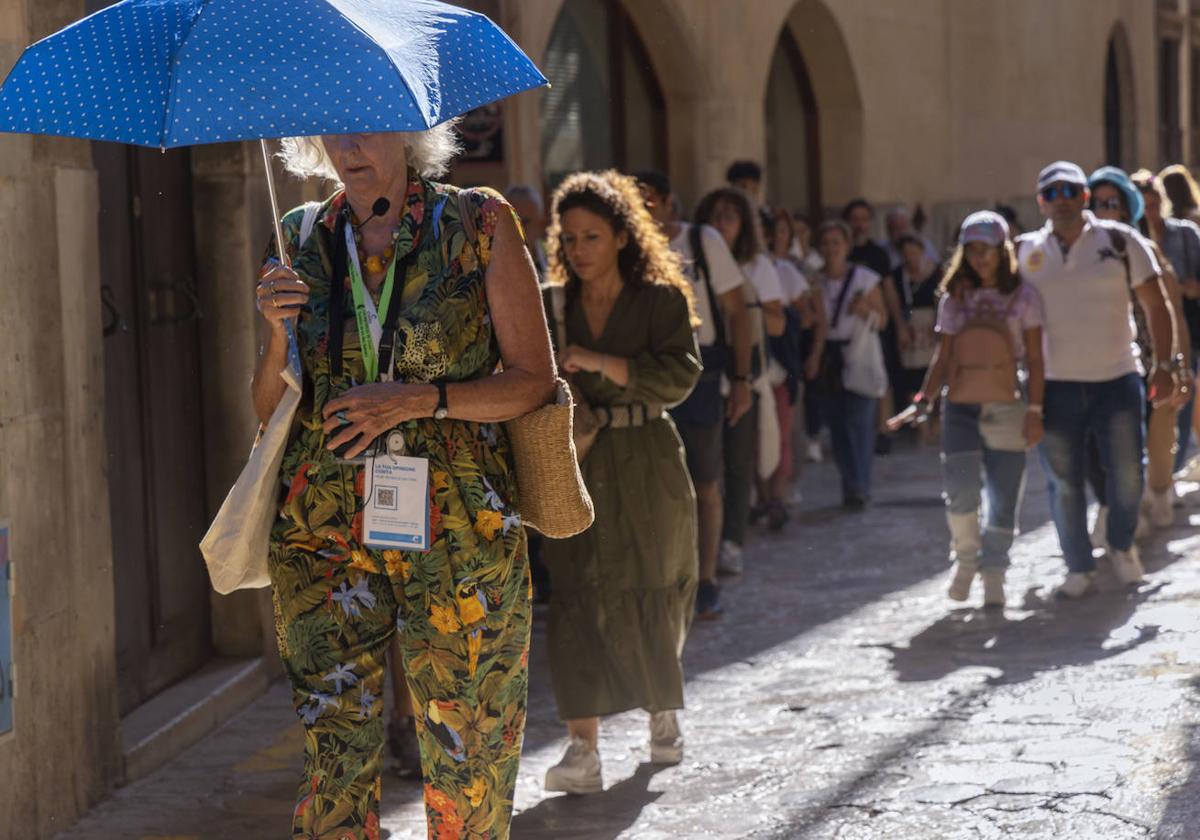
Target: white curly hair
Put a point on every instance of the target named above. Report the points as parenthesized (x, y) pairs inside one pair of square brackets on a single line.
[(429, 153)]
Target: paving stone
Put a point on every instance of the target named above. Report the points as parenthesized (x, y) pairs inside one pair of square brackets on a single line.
[(840, 696)]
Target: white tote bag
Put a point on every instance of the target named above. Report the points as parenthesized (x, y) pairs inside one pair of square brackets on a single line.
[(235, 546), (863, 371)]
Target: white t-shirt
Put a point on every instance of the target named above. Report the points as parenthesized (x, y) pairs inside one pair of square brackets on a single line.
[(763, 276), (795, 284), (724, 274), (862, 280), (1089, 331)]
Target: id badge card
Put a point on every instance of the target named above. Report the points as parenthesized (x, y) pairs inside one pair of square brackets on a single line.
[(396, 507)]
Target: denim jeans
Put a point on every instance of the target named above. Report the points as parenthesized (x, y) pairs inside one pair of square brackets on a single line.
[(983, 465), (1113, 412), (852, 423), (1184, 437)]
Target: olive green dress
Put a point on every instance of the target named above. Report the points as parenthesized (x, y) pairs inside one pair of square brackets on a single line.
[(623, 592)]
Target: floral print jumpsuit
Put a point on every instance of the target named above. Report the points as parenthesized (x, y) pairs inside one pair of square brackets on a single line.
[(462, 609)]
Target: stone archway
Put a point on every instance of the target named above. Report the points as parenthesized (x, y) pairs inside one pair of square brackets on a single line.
[(837, 99), (1120, 141)]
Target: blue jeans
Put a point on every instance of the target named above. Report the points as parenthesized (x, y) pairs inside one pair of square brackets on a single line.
[(983, 465), (852, 423), (1185, 422), (1113, 411)]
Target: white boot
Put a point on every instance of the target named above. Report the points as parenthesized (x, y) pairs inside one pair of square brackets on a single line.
[(965, 543), (1161, 512), (1099, 533), (578, 772), (1127, 566), (666, 741)]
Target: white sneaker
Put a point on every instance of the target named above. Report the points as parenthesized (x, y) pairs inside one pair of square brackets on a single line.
[(1099, 535), (813, 452), (729, 558), (666, 741), (578, 772), (961, 577), (1190, 471), (1075, 585), (1127, 566), (1162, 514), (993, 588)]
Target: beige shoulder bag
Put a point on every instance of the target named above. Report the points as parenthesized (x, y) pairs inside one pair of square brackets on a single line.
[(236, 544)]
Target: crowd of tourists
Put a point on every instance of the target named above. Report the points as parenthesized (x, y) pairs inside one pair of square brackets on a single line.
[(1077, 338), (710, 356)]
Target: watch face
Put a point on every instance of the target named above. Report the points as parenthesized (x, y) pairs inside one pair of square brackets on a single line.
[(440, 414)]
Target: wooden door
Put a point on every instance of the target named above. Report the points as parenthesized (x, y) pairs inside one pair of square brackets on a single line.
[(154, 417)]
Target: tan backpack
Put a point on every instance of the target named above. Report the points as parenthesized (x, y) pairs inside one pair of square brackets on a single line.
[(983, 358)]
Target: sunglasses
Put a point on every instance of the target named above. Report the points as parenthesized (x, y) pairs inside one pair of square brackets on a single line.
[(1068, 191), (1109, 204)]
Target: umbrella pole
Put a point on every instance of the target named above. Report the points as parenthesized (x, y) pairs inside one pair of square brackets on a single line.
[(274, 204)]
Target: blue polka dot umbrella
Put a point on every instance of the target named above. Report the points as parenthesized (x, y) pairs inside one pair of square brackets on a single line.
[(185, 72)]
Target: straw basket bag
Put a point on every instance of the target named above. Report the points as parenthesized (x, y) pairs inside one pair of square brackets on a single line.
[(553, 499)]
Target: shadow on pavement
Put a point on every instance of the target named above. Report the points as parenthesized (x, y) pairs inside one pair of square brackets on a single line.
[(1048, 634), (1181, 816), (605, 815)]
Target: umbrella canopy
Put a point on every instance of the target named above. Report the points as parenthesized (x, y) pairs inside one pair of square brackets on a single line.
[(185, 72)]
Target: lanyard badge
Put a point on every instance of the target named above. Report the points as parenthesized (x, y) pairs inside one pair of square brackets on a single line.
[(369, 319)]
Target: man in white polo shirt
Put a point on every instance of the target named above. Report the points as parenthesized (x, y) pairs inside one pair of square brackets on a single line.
[(1084, 269)]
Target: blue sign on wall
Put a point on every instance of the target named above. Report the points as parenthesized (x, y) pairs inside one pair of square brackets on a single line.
[(6, 638)]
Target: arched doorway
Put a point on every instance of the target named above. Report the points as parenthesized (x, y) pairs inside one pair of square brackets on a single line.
[(605, 107), (793, 137), (1118, 102)]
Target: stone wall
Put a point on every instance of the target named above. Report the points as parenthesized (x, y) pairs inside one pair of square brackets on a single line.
[(63, 754)]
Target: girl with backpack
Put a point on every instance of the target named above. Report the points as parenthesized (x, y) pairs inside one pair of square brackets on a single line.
[(991, 327)]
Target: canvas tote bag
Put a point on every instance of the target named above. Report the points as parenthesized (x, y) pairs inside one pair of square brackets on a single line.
[(236, 544)]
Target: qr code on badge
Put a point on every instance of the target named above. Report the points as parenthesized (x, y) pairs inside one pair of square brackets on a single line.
[(385, 497)]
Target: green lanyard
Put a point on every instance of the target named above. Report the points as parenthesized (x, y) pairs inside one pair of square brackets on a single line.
[(366, 341)]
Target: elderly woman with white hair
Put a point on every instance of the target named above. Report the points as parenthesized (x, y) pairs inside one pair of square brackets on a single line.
[(419, 331)]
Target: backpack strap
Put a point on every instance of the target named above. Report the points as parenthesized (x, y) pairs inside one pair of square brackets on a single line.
[(1121, 245), (700, 260), (841, 301), (311, 209)]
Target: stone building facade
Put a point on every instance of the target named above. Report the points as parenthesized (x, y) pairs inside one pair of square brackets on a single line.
[(127, 334)]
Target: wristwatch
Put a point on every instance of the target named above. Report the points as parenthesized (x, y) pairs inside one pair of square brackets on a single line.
[(441, 412)]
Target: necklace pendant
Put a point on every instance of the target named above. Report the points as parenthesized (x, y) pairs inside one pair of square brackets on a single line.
[(375, 264)]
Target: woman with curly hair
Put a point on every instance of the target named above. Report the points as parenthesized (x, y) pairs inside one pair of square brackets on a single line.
[(624, 590)]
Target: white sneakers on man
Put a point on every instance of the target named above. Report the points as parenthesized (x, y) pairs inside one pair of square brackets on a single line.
[(1127, 566), (729, 558), (666, 741), (1075, 585), (578, 772)]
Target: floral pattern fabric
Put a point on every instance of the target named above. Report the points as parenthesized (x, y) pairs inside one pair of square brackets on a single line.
[(462, 609)]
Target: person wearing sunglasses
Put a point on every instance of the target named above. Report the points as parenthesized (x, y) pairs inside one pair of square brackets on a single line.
[(1084, 268), (1115, 198)]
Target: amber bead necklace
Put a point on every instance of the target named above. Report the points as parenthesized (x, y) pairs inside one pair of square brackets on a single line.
[(373, 263)]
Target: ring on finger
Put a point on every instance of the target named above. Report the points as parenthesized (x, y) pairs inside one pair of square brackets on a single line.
[(274, 302)]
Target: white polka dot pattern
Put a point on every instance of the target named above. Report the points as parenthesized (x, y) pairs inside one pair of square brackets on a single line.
[(185, 72)]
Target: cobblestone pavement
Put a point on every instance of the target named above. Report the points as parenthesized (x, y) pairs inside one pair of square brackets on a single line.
[(840, 696)]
